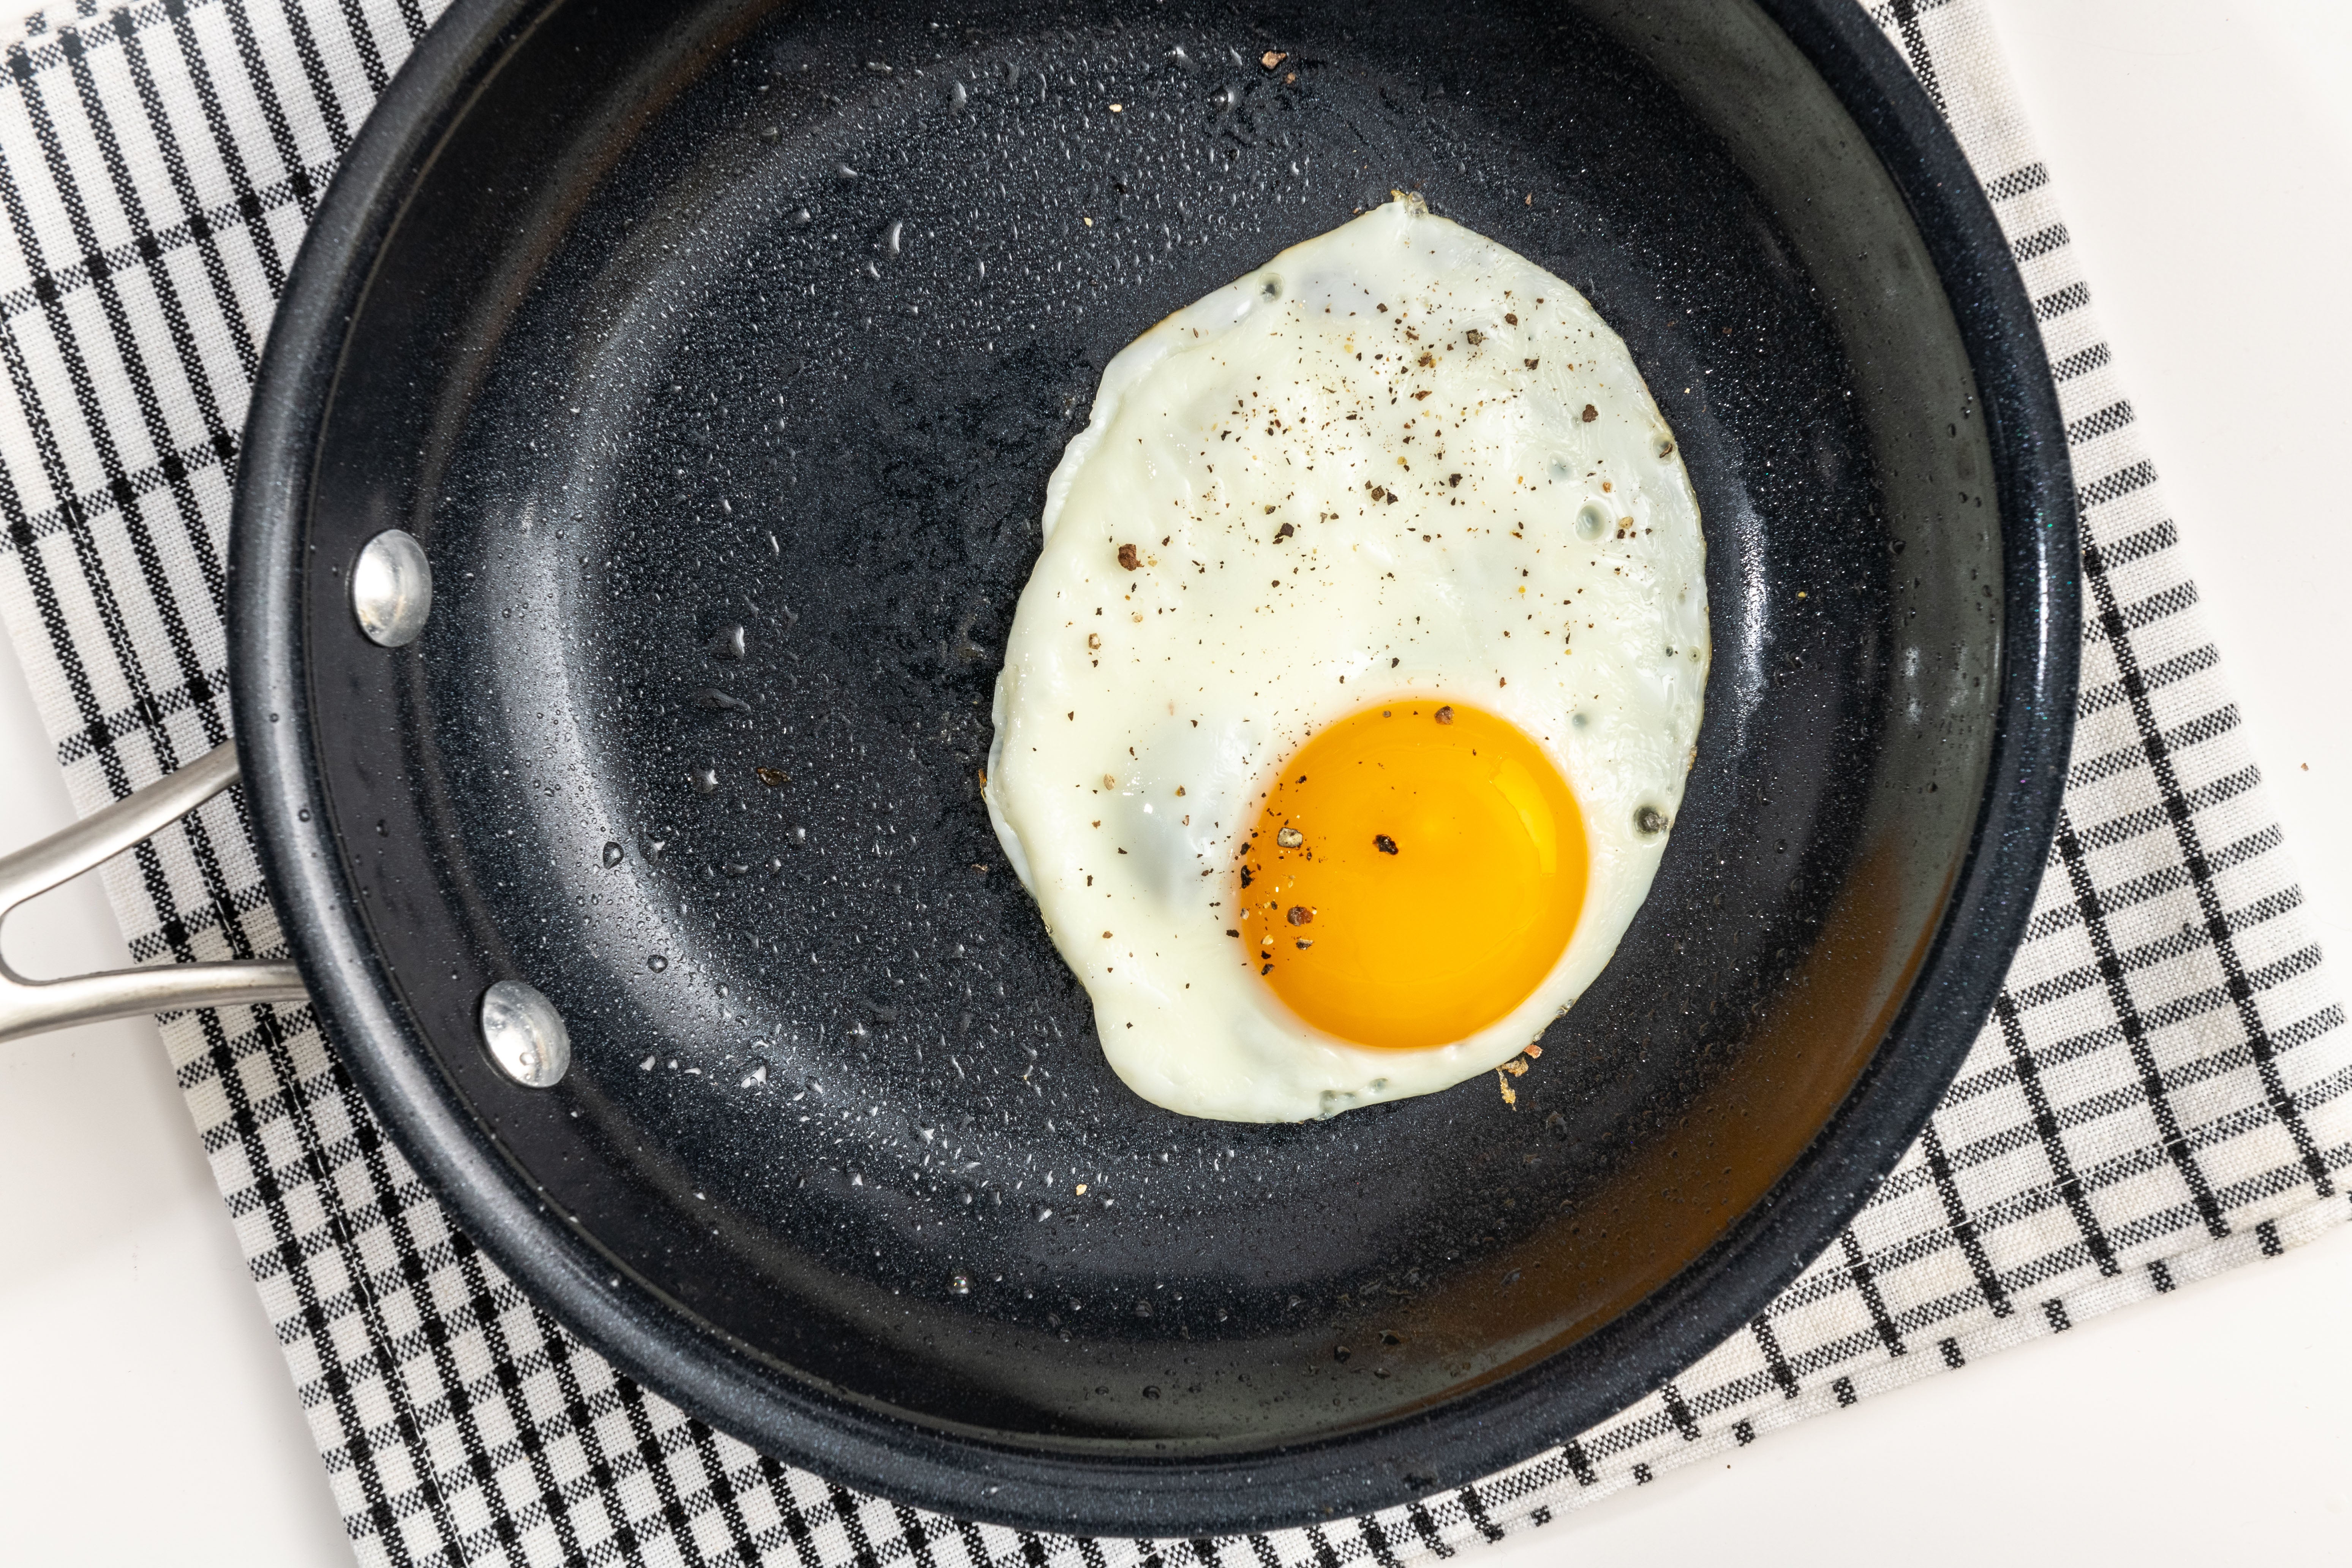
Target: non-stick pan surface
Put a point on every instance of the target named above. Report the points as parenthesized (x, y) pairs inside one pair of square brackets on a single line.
[(661, 325)]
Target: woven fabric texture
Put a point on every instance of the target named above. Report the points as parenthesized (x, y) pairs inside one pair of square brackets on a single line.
[(2159, 1095)]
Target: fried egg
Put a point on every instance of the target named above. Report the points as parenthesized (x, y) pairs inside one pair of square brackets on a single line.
[(1346, 711)]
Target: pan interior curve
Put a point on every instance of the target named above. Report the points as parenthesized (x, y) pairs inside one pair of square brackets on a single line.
[(720, 369)]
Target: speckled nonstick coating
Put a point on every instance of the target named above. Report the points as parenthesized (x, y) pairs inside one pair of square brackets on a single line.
[(656, 321)]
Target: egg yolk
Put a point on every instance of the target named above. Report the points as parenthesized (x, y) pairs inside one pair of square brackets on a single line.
[(1415, 873)]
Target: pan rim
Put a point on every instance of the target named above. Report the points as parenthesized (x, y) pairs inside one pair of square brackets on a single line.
[(1461, 1440)]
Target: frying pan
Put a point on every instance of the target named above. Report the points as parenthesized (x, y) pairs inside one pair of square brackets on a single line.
[(709, 358)]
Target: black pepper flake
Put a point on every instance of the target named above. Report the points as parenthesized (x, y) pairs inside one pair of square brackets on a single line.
[(1532, 363), (1511, 318), (1474, 337), (1233, 934), (1299, 915), (1590, 413), (771, 777), (1384, 844), (1445, 715), (1129, 558), (1304, 943), (1453, 481), (1286, 530)]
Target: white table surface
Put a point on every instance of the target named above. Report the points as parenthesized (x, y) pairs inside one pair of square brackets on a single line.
[(2203, 153)]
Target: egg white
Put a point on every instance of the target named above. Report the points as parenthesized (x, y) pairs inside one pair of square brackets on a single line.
[(1141, 712)]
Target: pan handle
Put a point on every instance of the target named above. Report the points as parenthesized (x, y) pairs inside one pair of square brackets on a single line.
[(37, 1006)]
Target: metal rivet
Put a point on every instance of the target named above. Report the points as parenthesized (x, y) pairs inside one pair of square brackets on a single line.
[(525, 1034), (392, 589)]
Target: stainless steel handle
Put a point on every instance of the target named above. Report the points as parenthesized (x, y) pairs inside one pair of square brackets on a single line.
[(37, 1006)]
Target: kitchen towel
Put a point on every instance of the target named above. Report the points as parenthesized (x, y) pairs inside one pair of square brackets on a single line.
[(2161, 1092)]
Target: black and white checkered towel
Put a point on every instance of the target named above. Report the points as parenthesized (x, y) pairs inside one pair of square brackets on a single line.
[(2160, 1094)]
